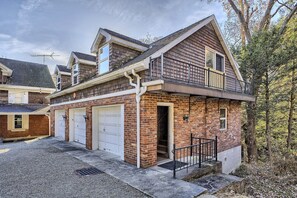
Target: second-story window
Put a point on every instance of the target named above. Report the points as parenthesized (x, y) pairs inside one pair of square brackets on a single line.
[(17, 97), (214, 60), (75, 74), (103, 62), (59, 82)]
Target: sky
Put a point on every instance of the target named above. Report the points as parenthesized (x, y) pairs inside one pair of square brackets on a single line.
[(34, 27)]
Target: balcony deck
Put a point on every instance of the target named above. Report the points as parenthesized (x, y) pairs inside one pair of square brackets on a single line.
[(180, 77)]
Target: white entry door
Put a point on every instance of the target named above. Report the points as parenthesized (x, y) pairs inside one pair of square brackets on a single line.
[(111, 130), (60, 124), (79, 126)]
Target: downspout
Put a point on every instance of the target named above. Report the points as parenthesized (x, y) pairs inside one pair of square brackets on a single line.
[(139, 91)]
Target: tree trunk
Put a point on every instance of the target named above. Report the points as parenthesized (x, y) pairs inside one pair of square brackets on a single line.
[(250, 136), (242, 34), (267, 111), (291, 108)]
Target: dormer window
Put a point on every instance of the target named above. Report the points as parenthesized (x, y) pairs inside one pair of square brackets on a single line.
[(214, 60), (59, 82), (75, 74), (103, 63)]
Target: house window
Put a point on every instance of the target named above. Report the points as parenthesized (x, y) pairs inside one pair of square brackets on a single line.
[(17, 97), (59, 82), (214, 60), (103, 65), (18, 121), (223, 119), (75, 74)]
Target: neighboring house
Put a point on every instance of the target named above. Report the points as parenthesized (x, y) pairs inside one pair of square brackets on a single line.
[(142, 99), (24, 110)]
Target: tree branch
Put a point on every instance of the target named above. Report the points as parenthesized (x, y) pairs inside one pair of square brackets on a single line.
[(266, 18), (242, 20), (287, 19)]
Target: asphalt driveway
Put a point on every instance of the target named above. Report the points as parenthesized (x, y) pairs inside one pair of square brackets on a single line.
[(37, 169)]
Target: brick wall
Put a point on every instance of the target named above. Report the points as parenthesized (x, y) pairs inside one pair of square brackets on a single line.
[(3, 96), (129, 117), (119, 55), (38, 98), (38, 125), (203, 122)]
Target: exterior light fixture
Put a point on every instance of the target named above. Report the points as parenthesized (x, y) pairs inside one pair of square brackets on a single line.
[(64, 117), (85, 117), (186, 117)]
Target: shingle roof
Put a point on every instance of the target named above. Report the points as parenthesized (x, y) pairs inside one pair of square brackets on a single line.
[(63, 68), (28, 74), (125, 37), (83, 56), (155, 46), (18, 108)]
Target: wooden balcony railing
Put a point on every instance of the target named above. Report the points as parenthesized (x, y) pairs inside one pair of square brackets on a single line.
[(170, 69)]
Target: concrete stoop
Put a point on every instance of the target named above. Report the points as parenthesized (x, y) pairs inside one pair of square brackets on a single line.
[(218, 182)]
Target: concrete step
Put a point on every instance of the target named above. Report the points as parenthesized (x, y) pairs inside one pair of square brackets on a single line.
[(162, 148), (217, 182), (162, 154)]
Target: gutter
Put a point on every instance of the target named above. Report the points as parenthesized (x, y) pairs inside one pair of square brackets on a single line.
[(139, 91)]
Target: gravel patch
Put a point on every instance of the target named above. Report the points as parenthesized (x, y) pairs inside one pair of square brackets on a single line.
[(37, 169)]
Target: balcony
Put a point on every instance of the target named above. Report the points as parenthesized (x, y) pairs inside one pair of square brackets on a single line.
[(204, 81)]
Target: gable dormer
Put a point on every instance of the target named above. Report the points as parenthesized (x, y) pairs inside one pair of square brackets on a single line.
[(82, 66), (114, 50), (62, 77), (5, 73)]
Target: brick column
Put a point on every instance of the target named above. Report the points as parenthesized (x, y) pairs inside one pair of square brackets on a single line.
[(52, 121), (89, 127)]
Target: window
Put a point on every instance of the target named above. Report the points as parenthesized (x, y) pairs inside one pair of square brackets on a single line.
[(223, 119), (18, 121), (103, 65), (214, 60), (18, 97), (75, 74), (59, 82)]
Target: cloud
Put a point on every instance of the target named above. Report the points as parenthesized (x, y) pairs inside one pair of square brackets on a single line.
[(27, 7)]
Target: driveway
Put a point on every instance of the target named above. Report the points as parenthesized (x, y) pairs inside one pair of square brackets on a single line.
[(37, 169)]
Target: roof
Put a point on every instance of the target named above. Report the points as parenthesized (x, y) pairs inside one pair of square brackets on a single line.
[(63, 68), (127, 38), (28, 74), (155, 46), (83, 56), (20, 108)]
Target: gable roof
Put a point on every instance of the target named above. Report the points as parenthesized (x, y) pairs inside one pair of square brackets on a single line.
[(28, 74), (62, 69), (81, 58), (111, 36)]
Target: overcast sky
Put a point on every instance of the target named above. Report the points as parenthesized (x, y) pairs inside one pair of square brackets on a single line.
[(44, 26)]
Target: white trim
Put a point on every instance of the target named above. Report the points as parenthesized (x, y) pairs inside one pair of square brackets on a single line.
[(171, 126), (215, 59), (139, 66), (65, 73), (5, 70), (225, 118), (58, 83), (120, 93), (77, 60), (27, 88), (152, 83), (109, 38)]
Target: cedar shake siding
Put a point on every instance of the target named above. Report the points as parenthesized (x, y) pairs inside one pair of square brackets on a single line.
[(38, 125), (65, 81), (86, 72), (3, 96), (119, 55), (37, 98)]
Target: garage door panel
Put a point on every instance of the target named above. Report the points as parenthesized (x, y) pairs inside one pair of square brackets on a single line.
[(110, 130), (60, 124), (79, 126)]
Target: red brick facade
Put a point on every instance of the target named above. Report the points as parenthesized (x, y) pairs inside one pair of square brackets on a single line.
[(38, 126), (203, 122)]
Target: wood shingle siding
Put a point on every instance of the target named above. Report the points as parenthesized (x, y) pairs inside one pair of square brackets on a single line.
[(3, 96)]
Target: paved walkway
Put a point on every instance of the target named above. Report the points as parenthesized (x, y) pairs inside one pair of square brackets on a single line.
[(155, 181)]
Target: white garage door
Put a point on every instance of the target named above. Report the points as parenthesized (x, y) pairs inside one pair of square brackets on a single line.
[(79, 126), (111, 133), (60, 124)]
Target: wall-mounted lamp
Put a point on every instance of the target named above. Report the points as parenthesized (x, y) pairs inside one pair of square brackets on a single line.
[(64, 117), (85, 117), (186, 117)]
